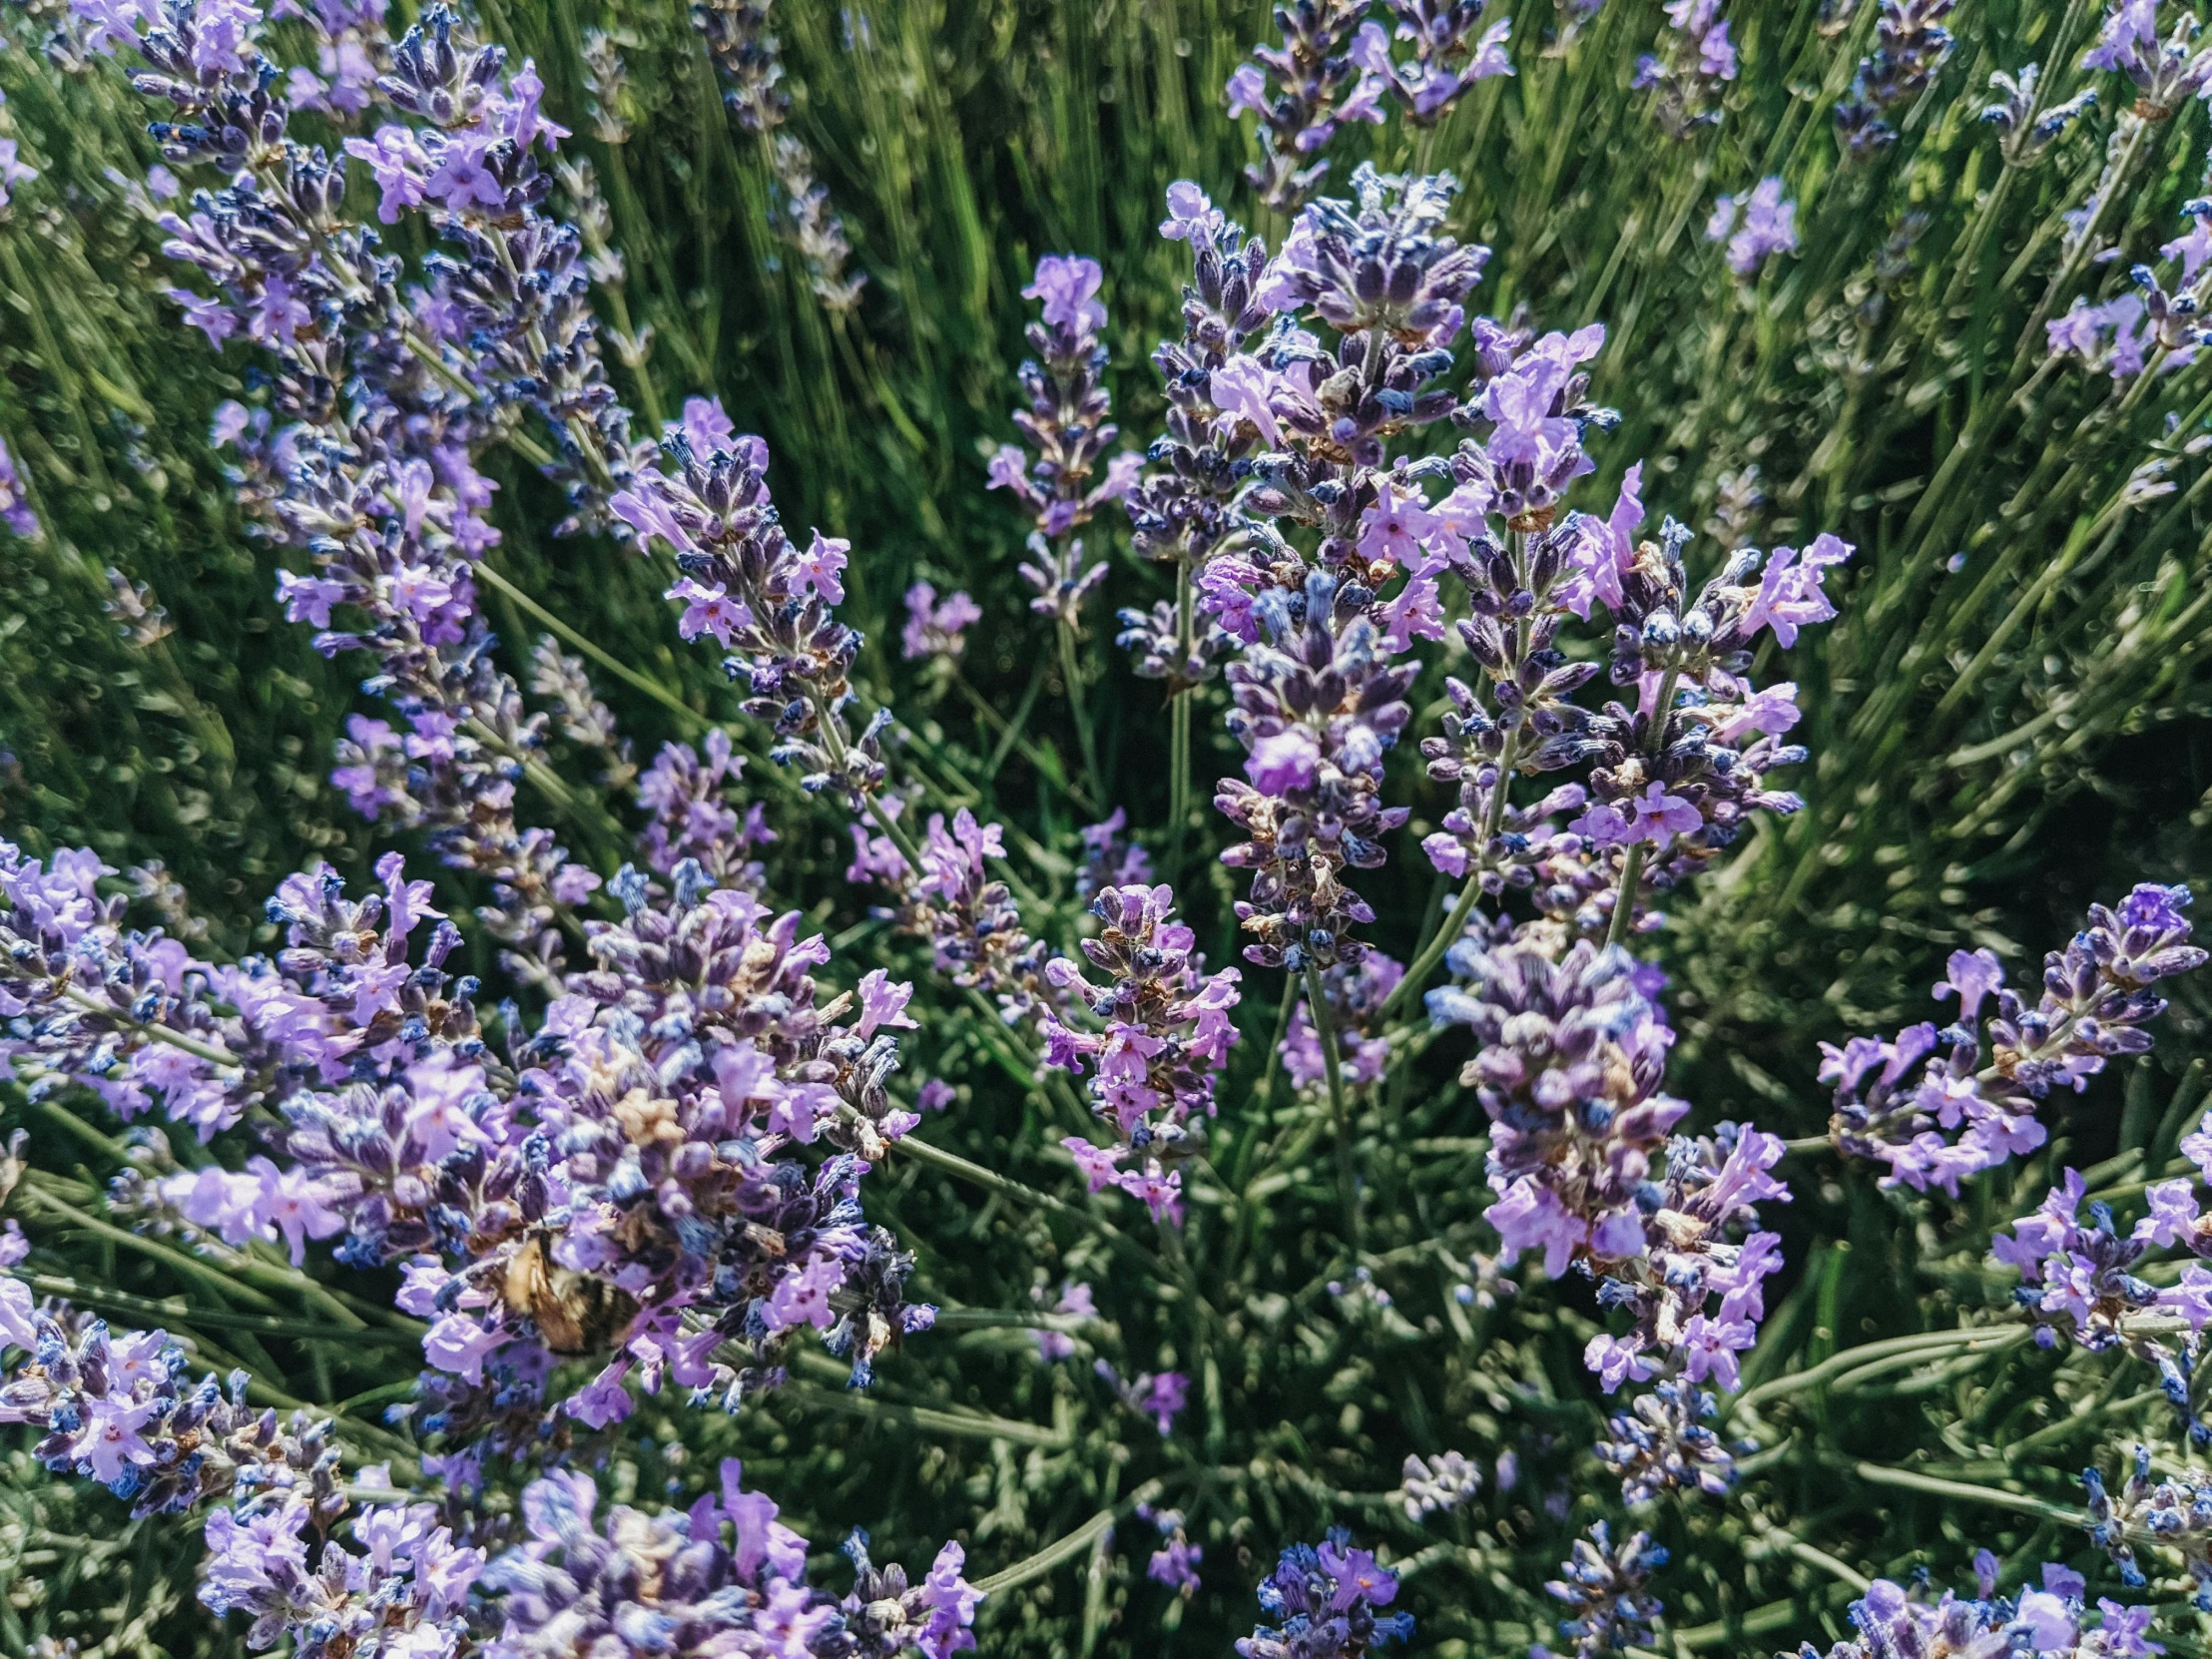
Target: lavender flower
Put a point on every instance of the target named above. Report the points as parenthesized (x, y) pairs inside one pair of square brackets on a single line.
[(1756, 228), (1687, 74), (751, 64), (934, 628), (1358, 993), (404, 1592), (1182, 511), (1939, 1122), (389, 506), (560, 680), (1604, 1587), (2175, 1512), (968, 915), (759, 594), (1571, 1055), (1110, 857), (1166, 1030), (1910, 43), (1313, 92), (1066, 425), (724, 1576), (1175, 1562), (693, 817), (1893, 1622), (121, 1408), (15, 505), (2167, 73), (13, 172), (1074, 1300), (1439, 1484), (1325, 1600), (1661, 1444), (1452, 51), (2077, 1281), (2027, 132), (1316, 710)]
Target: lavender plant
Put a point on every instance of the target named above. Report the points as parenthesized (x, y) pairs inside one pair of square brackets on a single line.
[(585, 1178)]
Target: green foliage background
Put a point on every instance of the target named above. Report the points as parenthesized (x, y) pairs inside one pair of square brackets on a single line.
[(2013, 716)]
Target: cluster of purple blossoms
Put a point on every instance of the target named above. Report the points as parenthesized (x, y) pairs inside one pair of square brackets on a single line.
[(1689, 73), (693, 817), (1910, 45), (2167, 73), (1435, 1485), (1316, 707), (136, 1017), (631, 1178), (724, 1576), (16, 511), (1110, 857), (1183, 512), (2175, 1512), (1303, 91), (967, 914), (2026, 130), (380, 488), (737, 37), (1323, 1598), (1321, 700), (122, 1409), (1897, 1622), (2078, 1283), (762, 597), (1681, 772), (1971, 1105), (1159, 1395), (1075, 1302), (13, 172), (1175, 1562), (405, 1593), (1067, 425), (1455, 45), (1604, 1588), (1756, 226), (561, 679), (119, 1408), (2153, 327), (1662, 1443), (1164, 1027), (936, 629), (1571, 1052), (2105, 337)]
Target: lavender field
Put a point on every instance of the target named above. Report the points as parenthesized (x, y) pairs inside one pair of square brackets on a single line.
[(1104, 827)]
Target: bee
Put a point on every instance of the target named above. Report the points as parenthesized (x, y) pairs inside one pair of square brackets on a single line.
[(575, 1313)]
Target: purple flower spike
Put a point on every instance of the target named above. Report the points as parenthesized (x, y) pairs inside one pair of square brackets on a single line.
[(1324, 1599), (1974, 1106)]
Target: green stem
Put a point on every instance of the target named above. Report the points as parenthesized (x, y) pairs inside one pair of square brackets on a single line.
[(1851, 1359), (174, 1309), (1959, 1491), (1438, 942), (991, 1181), (1624, 905), (1071, 671), (959, 1425), (1324, 1033), (158, 1033), (1069, 1547), (620, 670)]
